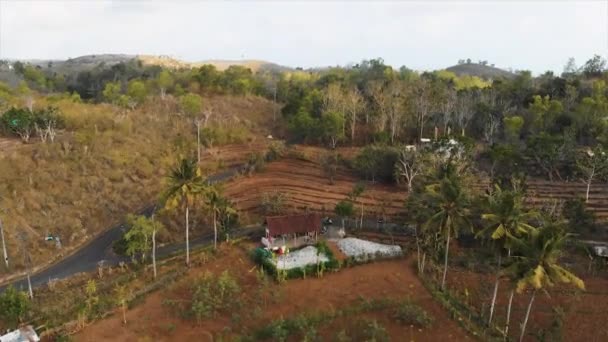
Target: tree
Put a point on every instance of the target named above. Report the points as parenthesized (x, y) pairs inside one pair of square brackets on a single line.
[(422, 102), (381, 101), (216, 204), (544, 110), (550, 153), (592, 164), (136, 90), (570, 69), (334, 101), (185, 184), (92, 299), (331, 127), (139, 236), (410, 165), (344, 209), (513, 125), (504, 219), (19, 122), (191, 105), (451, 215), (111, 92), (354, 104), (594, 66), (330, 162), (536, 263), (15, 306), (165, 81), (465, 106), (122, 297)]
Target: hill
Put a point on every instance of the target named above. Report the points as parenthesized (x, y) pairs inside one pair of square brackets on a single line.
[(479, 70)]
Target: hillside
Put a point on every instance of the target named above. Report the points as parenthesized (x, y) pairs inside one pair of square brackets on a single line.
[(482, 71)]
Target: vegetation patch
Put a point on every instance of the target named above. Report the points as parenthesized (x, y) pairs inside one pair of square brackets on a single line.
[(267, 261)]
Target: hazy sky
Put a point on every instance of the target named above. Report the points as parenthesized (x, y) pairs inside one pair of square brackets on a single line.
[(537, 36)]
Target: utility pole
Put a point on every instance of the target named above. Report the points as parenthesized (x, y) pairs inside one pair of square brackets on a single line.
[(274, 117), (3, 245), (28, 263), (154, 242)]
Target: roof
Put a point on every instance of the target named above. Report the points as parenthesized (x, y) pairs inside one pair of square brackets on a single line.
[(278, 225)]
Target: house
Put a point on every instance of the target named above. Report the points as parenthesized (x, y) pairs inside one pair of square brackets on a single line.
[(301, 228), (23, 334)]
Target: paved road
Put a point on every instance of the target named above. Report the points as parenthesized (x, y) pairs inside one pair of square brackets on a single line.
[(100, 248)]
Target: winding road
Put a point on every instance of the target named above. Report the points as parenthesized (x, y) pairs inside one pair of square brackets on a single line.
[(99, 249)]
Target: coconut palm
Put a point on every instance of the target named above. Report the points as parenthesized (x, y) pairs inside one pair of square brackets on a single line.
[(536, 263), (185, 184), (451, 211), (505, 218)]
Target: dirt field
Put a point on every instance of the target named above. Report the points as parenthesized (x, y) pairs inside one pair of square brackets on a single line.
[(151, 321), (584, 312)]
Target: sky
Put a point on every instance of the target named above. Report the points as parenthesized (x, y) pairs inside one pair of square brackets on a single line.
[(536, 36)]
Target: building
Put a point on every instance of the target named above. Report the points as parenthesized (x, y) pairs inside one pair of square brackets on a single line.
[(299, 229)]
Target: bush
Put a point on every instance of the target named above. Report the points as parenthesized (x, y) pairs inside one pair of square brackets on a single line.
[(377, 162), (409, 313), (15, 305), (214, 294)]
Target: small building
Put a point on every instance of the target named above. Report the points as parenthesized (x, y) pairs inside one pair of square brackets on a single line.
[(299, 229), (23, 334)]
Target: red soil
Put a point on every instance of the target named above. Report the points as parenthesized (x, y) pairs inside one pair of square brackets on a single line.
[(396, 279), (306, 187)]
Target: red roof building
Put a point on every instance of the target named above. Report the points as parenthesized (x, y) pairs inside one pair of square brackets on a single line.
[(294, 224)]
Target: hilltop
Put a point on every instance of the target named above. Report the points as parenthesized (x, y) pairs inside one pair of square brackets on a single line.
[(479, 70)]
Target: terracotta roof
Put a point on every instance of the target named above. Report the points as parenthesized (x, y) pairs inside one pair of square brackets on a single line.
[(278, 225)]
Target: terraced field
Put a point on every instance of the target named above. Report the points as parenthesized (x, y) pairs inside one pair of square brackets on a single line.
[(542, 193), (306, 187)]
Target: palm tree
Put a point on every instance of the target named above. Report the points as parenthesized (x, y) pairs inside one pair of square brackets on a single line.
[(217, 205), (536, 263), (185, 184), (451, 203), (505, 217)]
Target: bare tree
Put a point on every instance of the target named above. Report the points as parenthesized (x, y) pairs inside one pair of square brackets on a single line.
[(354, 104), (397, 95), (411, 164), (465, 109), (381, 101), (448, 103), (334, 101), (423, 104)]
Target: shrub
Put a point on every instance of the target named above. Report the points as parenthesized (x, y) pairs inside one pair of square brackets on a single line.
[(214, 294), (15, 305), (409, 313)]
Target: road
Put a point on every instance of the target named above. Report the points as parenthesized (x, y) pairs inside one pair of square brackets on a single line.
[(99, 249)]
